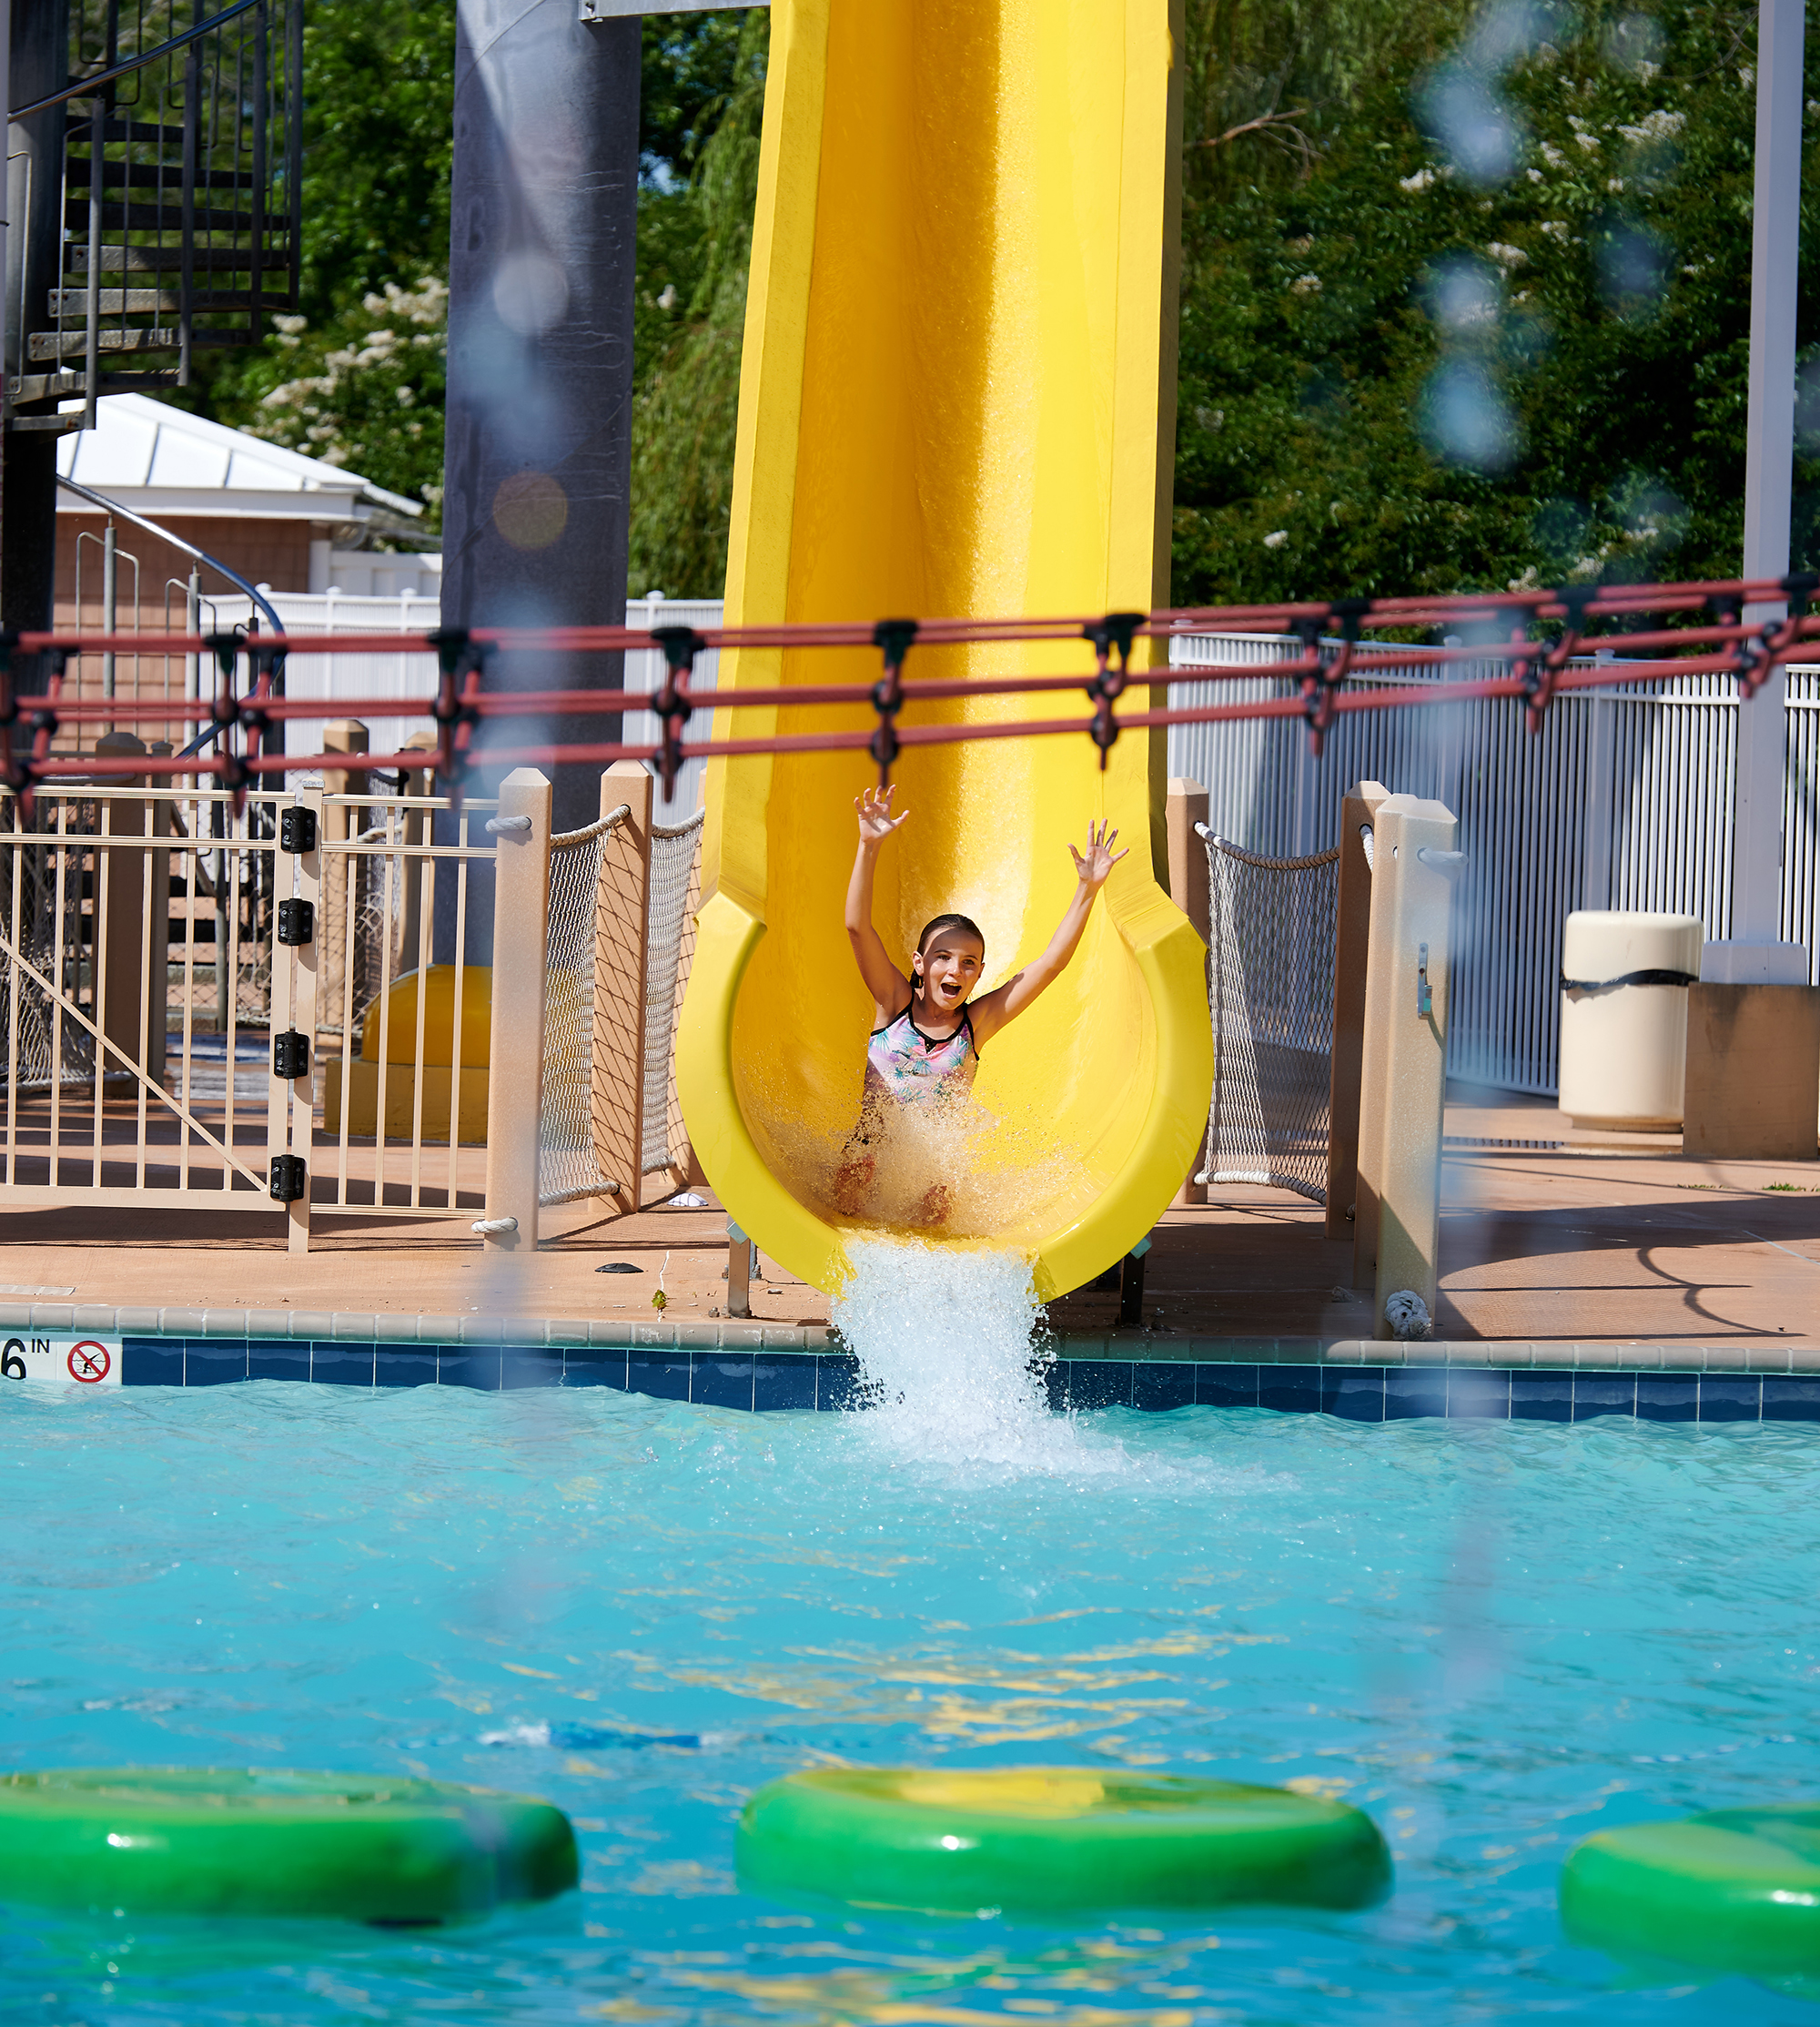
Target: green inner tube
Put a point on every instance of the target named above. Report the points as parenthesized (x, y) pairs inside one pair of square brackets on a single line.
[(1736, 1889), (1042, 1838), (195, 1841)]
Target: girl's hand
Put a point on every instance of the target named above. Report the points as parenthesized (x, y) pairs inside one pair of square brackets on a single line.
[(1095, 866), (875, 821)]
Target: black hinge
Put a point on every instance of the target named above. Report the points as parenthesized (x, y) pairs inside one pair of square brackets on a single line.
[(289, 1177), (290, 1054), (296, 830), (297, 922)]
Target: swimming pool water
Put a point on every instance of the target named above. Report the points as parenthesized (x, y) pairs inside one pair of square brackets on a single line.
[(1496, 1636)]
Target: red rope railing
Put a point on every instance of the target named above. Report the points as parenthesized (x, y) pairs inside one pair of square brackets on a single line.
[(1534, 635)]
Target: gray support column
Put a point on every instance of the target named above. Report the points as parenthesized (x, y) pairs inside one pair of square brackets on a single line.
[(542, 266), (1756, 842)]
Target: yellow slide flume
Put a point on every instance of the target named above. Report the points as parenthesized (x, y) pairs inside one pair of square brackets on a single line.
[(962, 310)]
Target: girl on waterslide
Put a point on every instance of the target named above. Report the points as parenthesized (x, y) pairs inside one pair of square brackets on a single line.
[(928, 1034)]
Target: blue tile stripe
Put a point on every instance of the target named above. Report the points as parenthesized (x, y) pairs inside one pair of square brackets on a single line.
[(831, 1380), (727, 1378)]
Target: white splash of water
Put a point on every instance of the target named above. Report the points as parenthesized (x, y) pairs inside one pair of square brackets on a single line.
[(947, 1339)]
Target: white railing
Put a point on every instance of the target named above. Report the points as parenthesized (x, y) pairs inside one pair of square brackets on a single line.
[(1624, 800)]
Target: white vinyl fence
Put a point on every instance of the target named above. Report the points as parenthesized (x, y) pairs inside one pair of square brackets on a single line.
[(349, 678), (1624, 800)]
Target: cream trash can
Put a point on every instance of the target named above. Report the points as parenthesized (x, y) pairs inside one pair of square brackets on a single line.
[(1623, 1016)]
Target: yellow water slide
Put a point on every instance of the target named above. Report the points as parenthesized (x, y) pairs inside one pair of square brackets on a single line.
[(962, 312)]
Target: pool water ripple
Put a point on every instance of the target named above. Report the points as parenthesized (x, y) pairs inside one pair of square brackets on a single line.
[(1497, 1637)]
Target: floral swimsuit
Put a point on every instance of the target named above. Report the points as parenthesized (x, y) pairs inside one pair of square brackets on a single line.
[(909, 1067)]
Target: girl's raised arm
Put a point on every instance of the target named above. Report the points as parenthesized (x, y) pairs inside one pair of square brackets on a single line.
[(1092, 870), (889, 987)]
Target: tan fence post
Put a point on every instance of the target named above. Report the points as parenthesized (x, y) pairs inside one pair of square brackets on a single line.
[(1404, 1075), (622, 925), (520, 966), (121, 938), (416, 832), (340, 893), (1188, 889), (158, 952), (1351, 946)]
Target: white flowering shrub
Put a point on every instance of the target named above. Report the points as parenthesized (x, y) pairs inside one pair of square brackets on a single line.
[(365, 389)]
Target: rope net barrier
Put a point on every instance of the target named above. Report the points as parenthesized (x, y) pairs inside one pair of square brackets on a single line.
[(1270, 1000), (1742, 628), (674, 889), (568, 1165)]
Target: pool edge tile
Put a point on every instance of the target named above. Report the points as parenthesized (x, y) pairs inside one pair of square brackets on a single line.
[(1668, 1396), (151, 1361), (214, 1360), (335, 1361), (1602, 1394), (595, 1365), (1353, 1393), (1478, 1394), (1545, 1396), (1731, 1397), (660, 1373), (723, 1379), (1160, 1386), (1797, 1397), (784, 1381)]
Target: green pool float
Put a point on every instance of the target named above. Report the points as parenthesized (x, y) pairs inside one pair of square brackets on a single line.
[(191, 1840), (1735, 1889), (1041, 1838)]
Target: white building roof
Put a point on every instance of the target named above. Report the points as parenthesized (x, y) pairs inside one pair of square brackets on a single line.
[(159, 460)]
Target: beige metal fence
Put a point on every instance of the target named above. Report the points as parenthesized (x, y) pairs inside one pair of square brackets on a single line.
[(211, 1008), (135, 966)]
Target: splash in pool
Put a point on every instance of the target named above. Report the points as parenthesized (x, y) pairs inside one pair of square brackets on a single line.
[(950, 1342)]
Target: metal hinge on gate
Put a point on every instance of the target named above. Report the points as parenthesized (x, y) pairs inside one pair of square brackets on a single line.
[(290, 1054), (297, 922), (290, 1179), (296, 830)]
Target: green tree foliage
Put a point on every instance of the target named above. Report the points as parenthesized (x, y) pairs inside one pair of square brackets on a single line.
[(1408, 366), (380, 83), (364, 388), (379, 87), (688, 398), (356, 377)]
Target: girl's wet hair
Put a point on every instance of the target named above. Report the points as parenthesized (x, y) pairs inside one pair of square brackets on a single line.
[(961, 922)]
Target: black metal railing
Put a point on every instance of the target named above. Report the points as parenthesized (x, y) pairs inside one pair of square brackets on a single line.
[(179, 161)]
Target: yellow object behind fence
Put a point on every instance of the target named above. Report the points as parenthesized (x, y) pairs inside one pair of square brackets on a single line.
[(399, 1023), (961, 312)]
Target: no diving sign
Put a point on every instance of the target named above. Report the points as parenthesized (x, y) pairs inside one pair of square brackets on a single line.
[(85, 1360)]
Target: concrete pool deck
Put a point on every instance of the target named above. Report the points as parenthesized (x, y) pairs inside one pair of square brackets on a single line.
[(1559, 1248)]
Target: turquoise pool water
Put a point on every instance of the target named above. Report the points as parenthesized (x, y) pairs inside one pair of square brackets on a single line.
[(1496, 1636)]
